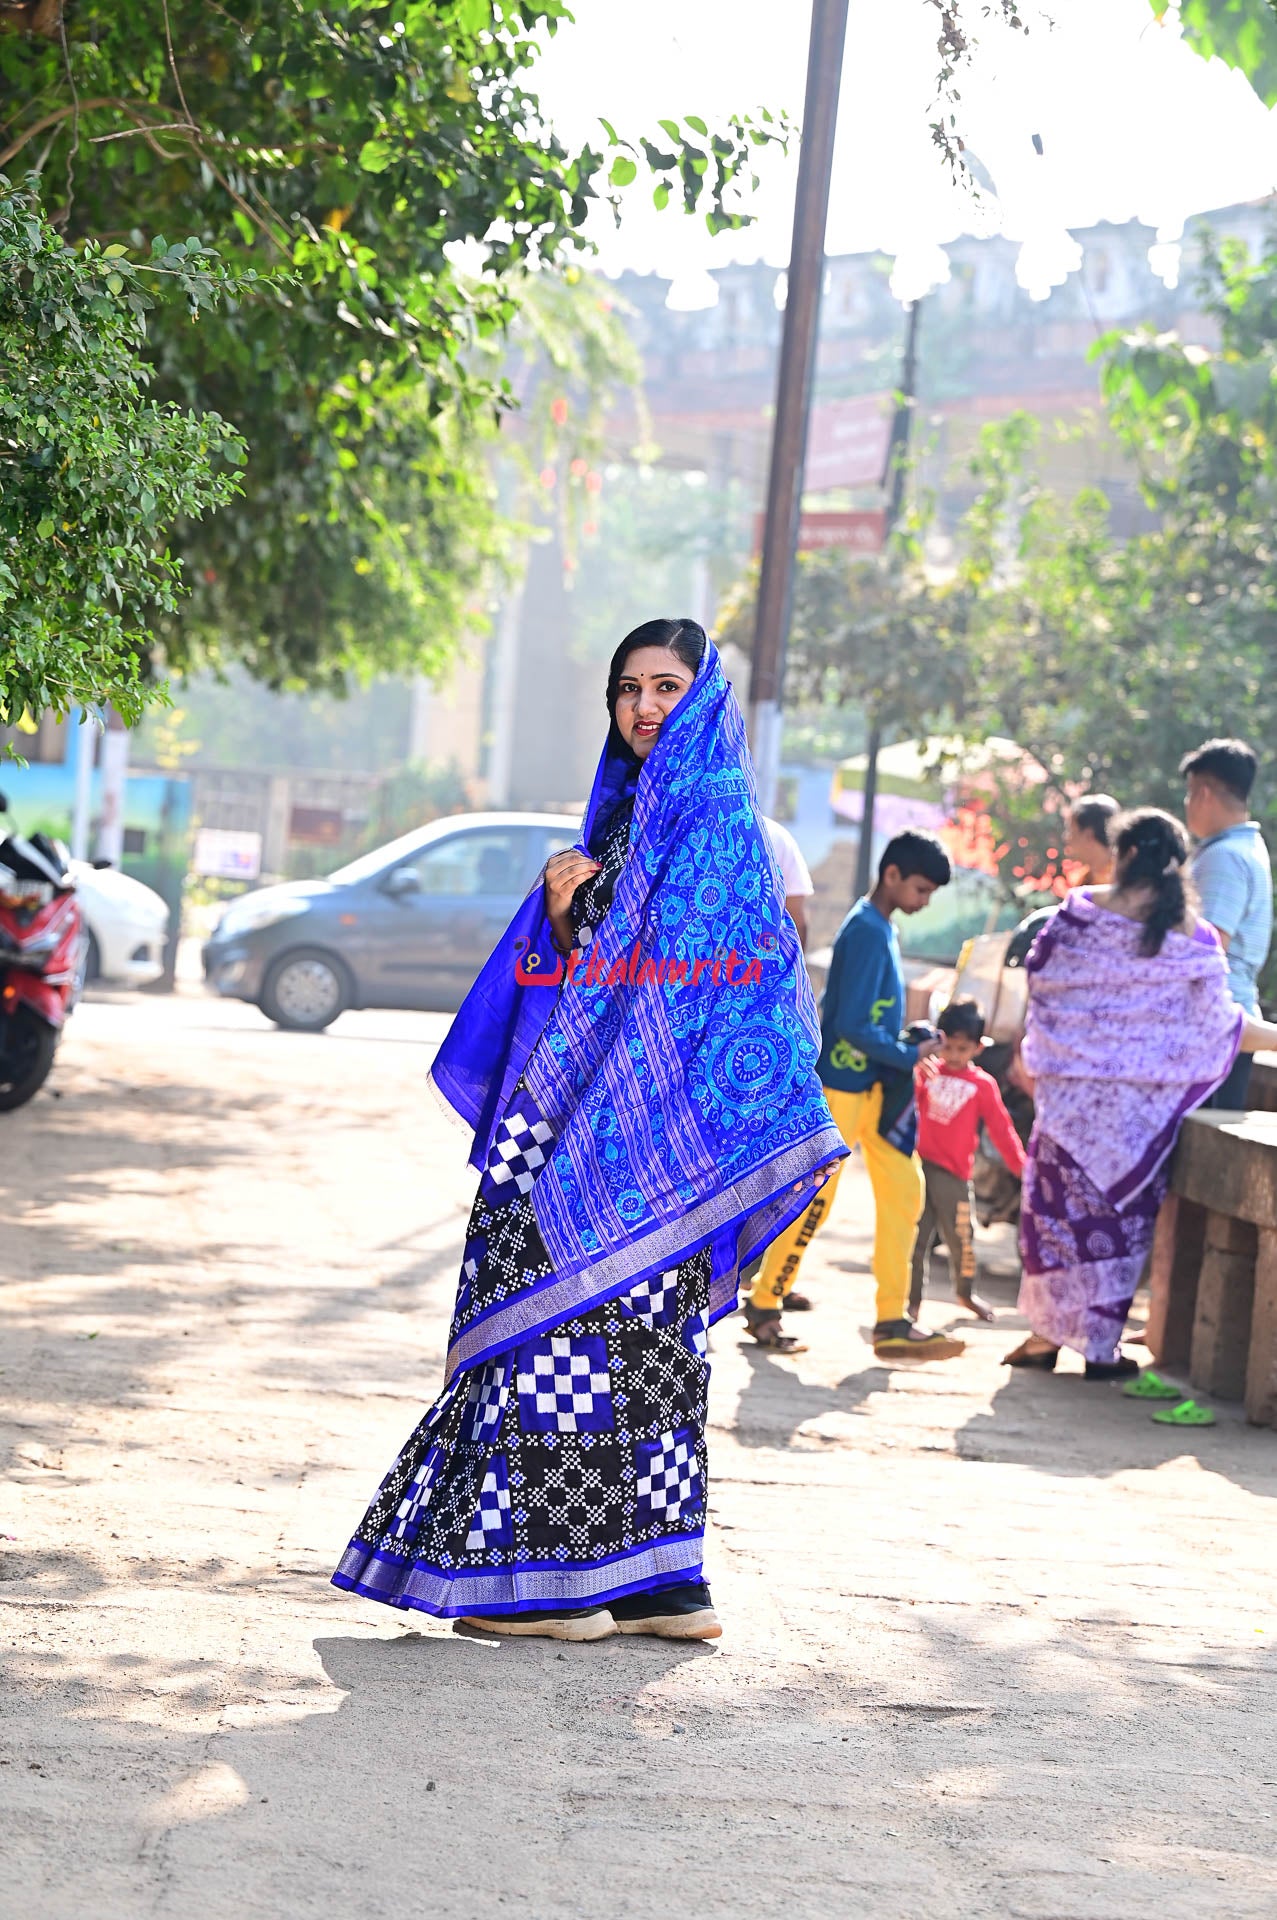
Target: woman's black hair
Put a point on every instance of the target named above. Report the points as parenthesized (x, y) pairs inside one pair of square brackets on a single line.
[(1095, 815), (685, 639), (1151, 849)]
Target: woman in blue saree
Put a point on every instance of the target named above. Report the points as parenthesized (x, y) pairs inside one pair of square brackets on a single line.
[(637, 1060)]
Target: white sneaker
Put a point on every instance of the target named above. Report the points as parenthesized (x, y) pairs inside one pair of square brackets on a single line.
[(701, 1625), (681, 1612), (586, 1623)]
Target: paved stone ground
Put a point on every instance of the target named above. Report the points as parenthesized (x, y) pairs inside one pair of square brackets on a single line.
[(995, 1644)]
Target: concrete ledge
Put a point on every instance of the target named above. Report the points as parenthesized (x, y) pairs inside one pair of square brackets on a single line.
[(1228, 1162), (1223, 1269), (1261, 1365)]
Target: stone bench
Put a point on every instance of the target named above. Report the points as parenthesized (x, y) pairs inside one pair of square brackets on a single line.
[(1262, 1092), (1221, 1296)]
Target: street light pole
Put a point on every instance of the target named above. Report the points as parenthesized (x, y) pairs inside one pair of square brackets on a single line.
[(793, 387), (894, 480)]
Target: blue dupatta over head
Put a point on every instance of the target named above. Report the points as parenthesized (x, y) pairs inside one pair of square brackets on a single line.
[(684, 1100)]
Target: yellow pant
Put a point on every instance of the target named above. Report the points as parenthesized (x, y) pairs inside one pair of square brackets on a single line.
[(896, 1179)]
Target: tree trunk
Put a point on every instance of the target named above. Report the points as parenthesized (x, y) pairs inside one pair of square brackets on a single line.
[(42, 17)]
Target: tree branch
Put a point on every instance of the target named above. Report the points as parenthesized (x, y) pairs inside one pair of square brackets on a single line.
[(240, 201), (128, 133), (177, 78), (59, 114), (148, 129)]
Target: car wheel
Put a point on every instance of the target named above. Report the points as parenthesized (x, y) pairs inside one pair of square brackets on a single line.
[(305, 991)]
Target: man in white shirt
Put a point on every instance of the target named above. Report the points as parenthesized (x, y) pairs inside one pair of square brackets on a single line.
[(794, 872), (797, 881), (1233, 876)]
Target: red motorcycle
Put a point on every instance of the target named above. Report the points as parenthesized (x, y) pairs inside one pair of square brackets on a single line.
[(41, 960)]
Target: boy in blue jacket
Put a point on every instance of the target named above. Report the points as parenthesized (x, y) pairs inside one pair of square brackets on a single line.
[(862, 1013)]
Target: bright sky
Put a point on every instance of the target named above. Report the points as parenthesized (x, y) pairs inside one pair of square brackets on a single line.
[(1133, 124)]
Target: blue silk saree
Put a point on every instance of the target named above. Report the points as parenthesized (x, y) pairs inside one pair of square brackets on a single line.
[(647, 1118)]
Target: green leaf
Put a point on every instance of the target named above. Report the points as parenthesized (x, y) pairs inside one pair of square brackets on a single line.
[(661, 196), (1242, 33), (115, 252), (623, 171), (115, 283), (671, 128), (695, 123), (376, 155)]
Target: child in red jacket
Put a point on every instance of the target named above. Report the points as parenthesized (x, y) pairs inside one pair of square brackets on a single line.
[(954, 1096)]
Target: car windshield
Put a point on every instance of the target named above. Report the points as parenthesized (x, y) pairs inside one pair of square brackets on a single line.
[(390, 855)]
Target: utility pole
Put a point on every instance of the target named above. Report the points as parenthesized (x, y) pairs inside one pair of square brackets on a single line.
[(893, 479), (86, 740), (503, 676), (114, 767), (793, 387)]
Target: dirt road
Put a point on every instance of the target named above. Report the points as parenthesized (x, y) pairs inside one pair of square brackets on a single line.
[(995, 1644)]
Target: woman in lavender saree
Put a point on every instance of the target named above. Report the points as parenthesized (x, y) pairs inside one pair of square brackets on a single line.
[(637, 1061), (1130, 1026)]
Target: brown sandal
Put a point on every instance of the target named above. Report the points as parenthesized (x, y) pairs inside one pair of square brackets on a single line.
[(1027, 1355), (765, 1325)]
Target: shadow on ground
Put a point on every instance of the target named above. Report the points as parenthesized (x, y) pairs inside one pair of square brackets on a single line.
[(429, 1773), (777, 1401)]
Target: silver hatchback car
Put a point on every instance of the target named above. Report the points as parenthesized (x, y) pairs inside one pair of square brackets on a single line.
[(408, 925)]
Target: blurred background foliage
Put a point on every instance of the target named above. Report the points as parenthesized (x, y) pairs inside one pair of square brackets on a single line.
[(392, 167)]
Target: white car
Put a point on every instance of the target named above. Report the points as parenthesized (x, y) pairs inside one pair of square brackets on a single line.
[(126, 924)]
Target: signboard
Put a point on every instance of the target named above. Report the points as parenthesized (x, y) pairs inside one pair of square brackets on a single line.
[(226, 855), (857, 532), (847, 442), (316, 826), (860, 532)]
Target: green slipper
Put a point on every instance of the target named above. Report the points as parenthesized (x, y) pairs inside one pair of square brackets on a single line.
[(1151, 1386), (1186, 1414)]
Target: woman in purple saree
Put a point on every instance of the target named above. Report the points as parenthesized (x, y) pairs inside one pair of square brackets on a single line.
[(1130, 1026)]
